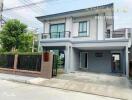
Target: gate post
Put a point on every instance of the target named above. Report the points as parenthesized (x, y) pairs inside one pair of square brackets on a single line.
[(15, 62), (46, 65)]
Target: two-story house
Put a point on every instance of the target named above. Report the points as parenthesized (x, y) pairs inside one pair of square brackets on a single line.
[(86, 36)]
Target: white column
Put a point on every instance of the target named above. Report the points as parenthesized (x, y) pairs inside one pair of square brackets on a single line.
[(126, 61), (126, 33), (111, 34), (67, 59), (68, 25), (46, 27), (100, 27)]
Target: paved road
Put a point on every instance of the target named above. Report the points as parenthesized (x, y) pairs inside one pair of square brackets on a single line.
[(19, 91)]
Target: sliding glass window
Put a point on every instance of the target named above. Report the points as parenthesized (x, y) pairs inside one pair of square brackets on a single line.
[(57, 30)]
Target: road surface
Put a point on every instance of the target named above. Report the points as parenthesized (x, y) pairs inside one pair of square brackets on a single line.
[(20, 91)]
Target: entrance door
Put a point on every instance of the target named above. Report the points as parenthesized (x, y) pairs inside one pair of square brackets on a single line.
[(116, 63), (84, 60)]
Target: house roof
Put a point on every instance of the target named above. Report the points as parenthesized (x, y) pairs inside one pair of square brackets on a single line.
[(97, 9)]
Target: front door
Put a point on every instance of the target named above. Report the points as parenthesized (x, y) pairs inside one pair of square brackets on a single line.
[(84, 60), (116, 65)]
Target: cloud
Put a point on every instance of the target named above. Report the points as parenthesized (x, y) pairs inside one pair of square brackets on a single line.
[(127, 3), (11, 4)]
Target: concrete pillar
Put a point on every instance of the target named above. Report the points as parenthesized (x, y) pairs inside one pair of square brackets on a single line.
[(126, 33), (15, 62), (71, 59), (111, 34), (68, 26), (126, 61), (100, 27), (67, 59), (46, 66)]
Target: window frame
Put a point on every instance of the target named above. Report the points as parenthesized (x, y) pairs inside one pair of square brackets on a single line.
[(57, 29), (79, 32)]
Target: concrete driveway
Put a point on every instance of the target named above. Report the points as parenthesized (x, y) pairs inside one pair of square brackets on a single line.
[(97, 78)]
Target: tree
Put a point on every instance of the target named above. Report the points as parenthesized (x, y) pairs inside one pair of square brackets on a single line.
[(26, 42), (14, 35)]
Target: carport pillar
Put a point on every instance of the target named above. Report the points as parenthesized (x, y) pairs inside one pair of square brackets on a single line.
[(126, 61), (67, 59)]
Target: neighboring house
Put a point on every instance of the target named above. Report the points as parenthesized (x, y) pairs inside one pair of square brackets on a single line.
[(87, 38), (121, 33)]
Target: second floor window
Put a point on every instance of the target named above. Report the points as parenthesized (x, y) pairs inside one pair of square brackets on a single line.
[(83, 27), (57, 30)]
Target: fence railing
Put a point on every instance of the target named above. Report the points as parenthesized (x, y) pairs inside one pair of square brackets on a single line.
[(7, 60), (29, 62)]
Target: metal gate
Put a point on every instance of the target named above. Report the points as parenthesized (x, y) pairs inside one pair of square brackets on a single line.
[(54, 67)]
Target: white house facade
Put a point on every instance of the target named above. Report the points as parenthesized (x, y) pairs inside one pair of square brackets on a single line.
[(87, 39)]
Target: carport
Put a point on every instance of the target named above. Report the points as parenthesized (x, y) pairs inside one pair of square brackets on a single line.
[(101, 57)]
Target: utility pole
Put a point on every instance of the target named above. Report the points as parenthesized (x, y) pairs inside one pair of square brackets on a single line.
[(1, 10), (34, 38)]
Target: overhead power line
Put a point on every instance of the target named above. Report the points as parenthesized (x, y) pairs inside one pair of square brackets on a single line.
[(28, 5), (35, 8)]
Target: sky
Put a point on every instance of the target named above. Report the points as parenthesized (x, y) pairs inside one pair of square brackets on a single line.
[(122, 10)]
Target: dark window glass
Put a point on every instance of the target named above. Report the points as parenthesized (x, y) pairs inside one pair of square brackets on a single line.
[(57, 30), (83, 28)]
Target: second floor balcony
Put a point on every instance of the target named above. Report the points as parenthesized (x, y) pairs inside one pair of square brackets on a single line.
[(67, 38), (67, 34), (118, 34)]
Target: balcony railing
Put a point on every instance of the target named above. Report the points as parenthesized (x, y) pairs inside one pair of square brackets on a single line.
[(116, 34), (65, 34)]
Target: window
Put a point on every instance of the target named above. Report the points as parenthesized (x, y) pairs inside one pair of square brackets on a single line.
[(83, 28), (57, 30), (99, 54), (108, 33)]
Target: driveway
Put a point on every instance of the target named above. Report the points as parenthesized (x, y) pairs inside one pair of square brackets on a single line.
[(19, 91), (97, 78)]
